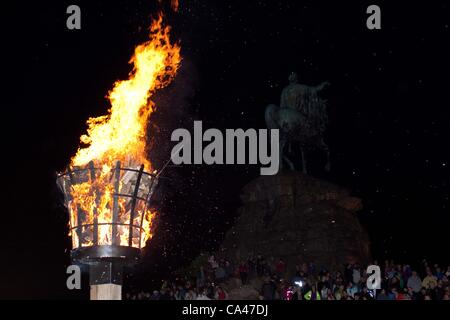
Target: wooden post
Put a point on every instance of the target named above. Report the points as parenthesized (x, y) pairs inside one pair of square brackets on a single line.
[(107, 291), (105, 279)]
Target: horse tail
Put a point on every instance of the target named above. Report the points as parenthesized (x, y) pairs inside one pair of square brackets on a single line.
[(270, 116)]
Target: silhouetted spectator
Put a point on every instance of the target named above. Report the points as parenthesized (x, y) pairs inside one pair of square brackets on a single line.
[(243, 272), (430, 281), (280, 268), (312, 294), (220, 294), (268, 289), (203, 296), (155, 295), (414, 282), (219, 274)]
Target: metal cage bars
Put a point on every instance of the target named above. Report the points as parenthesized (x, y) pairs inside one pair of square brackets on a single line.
[(75, 173)]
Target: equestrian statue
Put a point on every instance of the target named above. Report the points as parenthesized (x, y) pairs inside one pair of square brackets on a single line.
[(301, 119)]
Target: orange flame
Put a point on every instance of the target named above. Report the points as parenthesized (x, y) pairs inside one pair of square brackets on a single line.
[(173, 3), (121, 136)]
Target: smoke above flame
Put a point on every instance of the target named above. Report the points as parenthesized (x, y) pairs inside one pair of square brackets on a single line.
[(119, 137)]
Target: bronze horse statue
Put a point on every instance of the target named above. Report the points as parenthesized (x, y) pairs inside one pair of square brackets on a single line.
[(301, 118)]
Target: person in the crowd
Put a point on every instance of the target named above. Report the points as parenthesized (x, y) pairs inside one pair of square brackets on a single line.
[(394, 283), (229, 270), (190, 295), (324, 292), (400, 282), (421, 295), (297, 293), (280, 268), (202, 295), (430, 281), (330, 295), (382, 295), (201, 278), (243, 272), (259, 265), (351, 289), (412, 295), (414, 282), (219, 273), (251, 263), (166, 294), (406, 273), (220, 294), (368, 294), (339, 292), (392, 294), (345, 296), (400, 295), (212, 261), (356, 274), (438, 272), (288, 292), (312, 294), (312, 268), (439, 290), (155, 295), (268, 289)]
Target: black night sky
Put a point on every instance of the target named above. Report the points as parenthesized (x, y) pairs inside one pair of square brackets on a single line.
[(388, 109)]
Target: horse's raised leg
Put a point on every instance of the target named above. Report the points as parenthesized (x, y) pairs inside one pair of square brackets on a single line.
[(328, 165), (289, 162), (303, 161), (325, 148), (282, 144)]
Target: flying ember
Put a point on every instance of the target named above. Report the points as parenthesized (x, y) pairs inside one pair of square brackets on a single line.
[(108, 183)]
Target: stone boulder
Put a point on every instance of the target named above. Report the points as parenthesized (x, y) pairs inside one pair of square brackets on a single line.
[(300, 219)]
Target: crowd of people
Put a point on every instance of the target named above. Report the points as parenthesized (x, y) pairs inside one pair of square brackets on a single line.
[(399, 282)]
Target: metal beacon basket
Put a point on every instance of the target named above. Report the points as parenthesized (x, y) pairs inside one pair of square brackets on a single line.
[(107, 221)]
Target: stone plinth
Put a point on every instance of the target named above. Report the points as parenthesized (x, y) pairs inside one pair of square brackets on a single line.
[(299, 218)]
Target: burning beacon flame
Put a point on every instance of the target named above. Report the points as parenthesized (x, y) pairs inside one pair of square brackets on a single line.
[(121, 136), (173, 4)]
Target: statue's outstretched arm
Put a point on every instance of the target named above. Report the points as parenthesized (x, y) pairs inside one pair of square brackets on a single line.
[(321, 86), (282, 100)]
